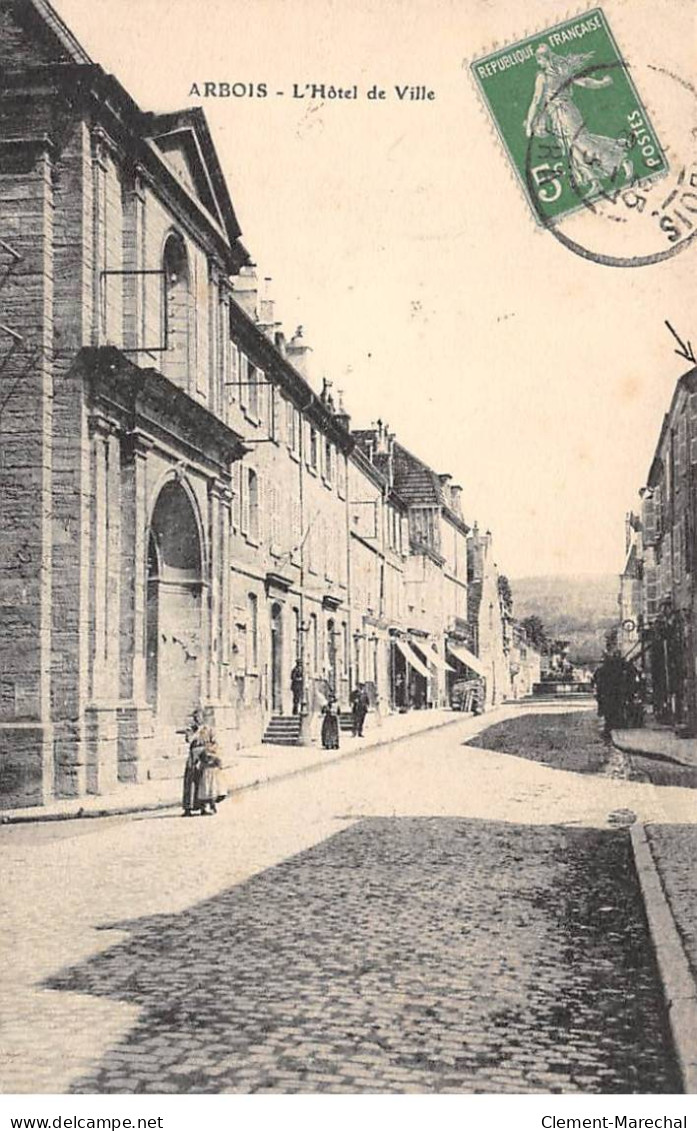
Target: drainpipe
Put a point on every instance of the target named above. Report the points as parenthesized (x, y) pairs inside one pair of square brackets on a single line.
[(304, 737)]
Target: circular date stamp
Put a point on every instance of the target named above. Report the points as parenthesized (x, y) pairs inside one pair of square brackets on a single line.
[(585, 147)]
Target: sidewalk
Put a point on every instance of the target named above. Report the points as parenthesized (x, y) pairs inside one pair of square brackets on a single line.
[(664, 855), (655, 741), (249, 767)]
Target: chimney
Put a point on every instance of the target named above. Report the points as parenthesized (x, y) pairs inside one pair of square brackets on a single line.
[(456, 499), (326, 395), (384, 443), (245, 289), (298, 351), (266, 310), (445, 488), (341, 414)]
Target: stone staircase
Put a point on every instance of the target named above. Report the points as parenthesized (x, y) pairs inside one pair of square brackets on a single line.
[(283, 730)]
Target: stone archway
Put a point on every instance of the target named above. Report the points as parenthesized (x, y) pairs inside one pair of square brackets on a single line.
[(174, 608)]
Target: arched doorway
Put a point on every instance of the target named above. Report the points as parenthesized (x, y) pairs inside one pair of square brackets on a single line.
[(175, 568), (276, 659)]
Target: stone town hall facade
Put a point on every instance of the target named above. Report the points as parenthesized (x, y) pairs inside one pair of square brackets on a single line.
[(181, 515)]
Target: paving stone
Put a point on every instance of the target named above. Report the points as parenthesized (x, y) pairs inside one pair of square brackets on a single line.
[(382, 954)]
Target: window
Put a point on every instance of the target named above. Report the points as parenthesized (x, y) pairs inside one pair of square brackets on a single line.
[(236, 509), (293, 423), (275, 419), (297, 639), (221, 340), (244, 379), (313, 449), (253, 632), (252, 501), (341, 475), (328, 466), (274, 506), (253, 391), (233, 377), (177, 312), (314, 643)]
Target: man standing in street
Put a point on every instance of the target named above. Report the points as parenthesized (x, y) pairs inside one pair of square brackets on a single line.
[(296, 686), (359, 709)]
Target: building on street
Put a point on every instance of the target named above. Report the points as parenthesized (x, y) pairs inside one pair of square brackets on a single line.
[(187, 520), (657, 586)]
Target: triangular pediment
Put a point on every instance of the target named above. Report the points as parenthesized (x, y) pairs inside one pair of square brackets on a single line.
[(184, 150)]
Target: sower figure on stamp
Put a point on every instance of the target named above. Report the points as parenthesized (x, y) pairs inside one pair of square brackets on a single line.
[(553, 112), (297, 683)]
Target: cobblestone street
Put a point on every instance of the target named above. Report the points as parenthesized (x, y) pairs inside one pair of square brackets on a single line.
[(424, 917)]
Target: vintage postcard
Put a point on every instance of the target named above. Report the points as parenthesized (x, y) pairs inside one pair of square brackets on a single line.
[(348, 559)]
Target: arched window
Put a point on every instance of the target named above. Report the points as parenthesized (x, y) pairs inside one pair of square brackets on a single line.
[(177, 311)]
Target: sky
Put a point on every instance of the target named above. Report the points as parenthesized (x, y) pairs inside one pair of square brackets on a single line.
[(397, 235)]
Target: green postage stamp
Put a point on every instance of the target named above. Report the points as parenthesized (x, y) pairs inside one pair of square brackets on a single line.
[(569, 116)]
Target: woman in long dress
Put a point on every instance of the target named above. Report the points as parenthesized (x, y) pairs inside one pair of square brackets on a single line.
[(202, 779), (330, 725), (591, 157), (192, 771), (210, 789)]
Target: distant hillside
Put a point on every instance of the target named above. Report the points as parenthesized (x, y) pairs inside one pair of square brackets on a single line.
[(579, 608)]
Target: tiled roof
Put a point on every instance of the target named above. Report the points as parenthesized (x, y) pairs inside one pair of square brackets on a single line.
[(415, 481)]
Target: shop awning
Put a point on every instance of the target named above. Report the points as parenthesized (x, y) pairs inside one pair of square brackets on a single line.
[(411, 658), (432, 656), (468, 658)]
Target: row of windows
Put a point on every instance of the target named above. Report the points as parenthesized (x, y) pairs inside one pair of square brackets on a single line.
[(260, 510), (333, 659), (263, 404), (234, 378)]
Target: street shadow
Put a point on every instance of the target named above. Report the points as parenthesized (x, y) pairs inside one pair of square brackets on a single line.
[(401, 954)]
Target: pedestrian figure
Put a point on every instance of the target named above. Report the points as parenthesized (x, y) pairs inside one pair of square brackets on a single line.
[(330, 725), (202, 784), (610, 682), (359, 709), (192, 770), (210, 789), (297, 683)]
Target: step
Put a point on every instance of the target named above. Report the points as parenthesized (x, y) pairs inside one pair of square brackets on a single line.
[(283, 730)]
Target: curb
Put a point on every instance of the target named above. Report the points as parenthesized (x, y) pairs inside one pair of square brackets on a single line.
[(651, 755), (124, 810), (679, 988)]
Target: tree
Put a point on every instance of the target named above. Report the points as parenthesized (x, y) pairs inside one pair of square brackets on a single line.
[(558, 647), (535, 632), (505, 594)]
